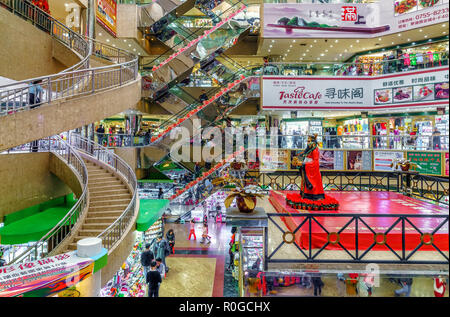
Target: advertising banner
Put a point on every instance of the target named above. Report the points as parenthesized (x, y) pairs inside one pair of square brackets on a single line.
[(446, 164), (107, 15), (350, 20), (45, 276), (415, 88), (429, 162), (382, 160), (359, 160), (270, 163)]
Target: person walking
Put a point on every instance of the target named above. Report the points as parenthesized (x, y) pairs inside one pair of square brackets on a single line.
[(318, 284), (147, 259), (170, 236), (205, 236), (161, 250), (232, 248), (160, 267), (100, 134), (192, 230), (153, 280), (35, 92)]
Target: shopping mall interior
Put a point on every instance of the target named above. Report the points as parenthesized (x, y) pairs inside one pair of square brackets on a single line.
[(247, 148)]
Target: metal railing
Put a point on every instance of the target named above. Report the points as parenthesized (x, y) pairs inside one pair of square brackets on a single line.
[(312, 236), (63, 228), (111, 235), (78, 80)]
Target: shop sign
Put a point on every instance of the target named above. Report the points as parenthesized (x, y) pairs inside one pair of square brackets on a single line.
[(422, 87), (429, 162), (384, 159), (106, 13), (303, 20), (45, 276)]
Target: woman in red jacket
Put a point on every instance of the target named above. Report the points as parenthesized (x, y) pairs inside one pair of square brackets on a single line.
[(311, 187)]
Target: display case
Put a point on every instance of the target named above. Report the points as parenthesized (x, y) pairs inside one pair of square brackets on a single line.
[(155, 230)]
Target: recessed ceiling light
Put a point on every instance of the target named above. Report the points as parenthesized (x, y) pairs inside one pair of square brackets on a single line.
[(331, 45), (351, 45), (273, 41), (444, 32), (318, 58), (426, 36), (288, 51), (413, 43), (107, 40), (409, 40), (125, 41), (100, 33), (443, 25), (307, 50), (315, 41), (335, 59), (345, 50), (392, 43), (379, 39), (293, 41), (129, 45), (357, 41), (340, 54), (301, 58), (310, 46), (420, 30), (268, 50), (336, 41), (290, 45), (322, 54), (304, 54), (270, 45), (399, 34)]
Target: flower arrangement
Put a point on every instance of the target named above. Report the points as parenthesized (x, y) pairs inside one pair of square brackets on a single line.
[(296, 201), (245, 195), (196, 110)]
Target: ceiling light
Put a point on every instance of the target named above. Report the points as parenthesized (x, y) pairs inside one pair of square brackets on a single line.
[(301, 58), (134, 50), (293, 41), (107, 40), (331, 45), (315, 41), (399, 34), (326, 50), (409, 40), (357, 41), (335, 59), (304, 54), (345, 50), (100, 33), (273, 41), (379, 39), (129, 45), (290, 45), (270, 45), (307, 50), (443, 25), (426, 36), (318, 58), (125, 41), (444, 32), (420, 30), (340, 54), (392, 43), (351, 45), (310, 46), (336, 41), (322, 54), (268, 51)]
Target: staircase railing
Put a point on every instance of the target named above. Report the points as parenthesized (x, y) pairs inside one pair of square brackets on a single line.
[(111, 235), (77, 80), (63, 228)]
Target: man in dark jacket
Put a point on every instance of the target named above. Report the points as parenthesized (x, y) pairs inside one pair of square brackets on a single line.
[(153, 279), (161, 249), (146, 259)]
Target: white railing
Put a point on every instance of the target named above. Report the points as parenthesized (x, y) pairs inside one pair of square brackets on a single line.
[(63, 228), (111, 235), (78, 80)]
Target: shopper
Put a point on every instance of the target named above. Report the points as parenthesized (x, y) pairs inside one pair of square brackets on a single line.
[(35, 92), (192, 230), (203, 96), (318, 284), (170, 236), (153, 280), (160, 267), (197, 170), (406, 284), (232, 247), (205, 236), (160, 193), (100, 134), (147, 259), (161, 249)]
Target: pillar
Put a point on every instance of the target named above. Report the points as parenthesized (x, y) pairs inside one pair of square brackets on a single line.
[(89, 248)]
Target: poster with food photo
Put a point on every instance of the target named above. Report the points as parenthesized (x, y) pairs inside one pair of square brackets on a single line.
[(383, 96), (424, 92), (404, 6), (441, 90), (425, 4), (402, 94)]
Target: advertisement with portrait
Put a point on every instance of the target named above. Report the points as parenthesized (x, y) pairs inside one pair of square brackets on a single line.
[(359, 160)]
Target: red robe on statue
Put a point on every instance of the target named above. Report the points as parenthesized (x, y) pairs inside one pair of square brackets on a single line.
[(312, 171)]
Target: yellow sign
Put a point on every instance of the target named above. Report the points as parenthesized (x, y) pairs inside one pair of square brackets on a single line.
[(107, 15)]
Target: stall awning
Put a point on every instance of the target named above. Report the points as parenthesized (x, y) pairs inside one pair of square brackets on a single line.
[(150, 210)]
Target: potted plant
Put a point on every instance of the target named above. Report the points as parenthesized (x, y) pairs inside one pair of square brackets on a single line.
[(245, 195)]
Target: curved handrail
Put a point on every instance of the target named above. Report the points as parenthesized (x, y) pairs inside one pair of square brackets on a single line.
[(114, 232), (64, 227), (77, 80)]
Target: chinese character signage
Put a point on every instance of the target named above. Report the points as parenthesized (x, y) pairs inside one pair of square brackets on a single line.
[(303, 20), (383, 160), (356, 93), (44, 277), (429, 162), (107, 15)]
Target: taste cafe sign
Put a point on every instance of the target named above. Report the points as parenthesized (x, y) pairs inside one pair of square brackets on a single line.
[(313, 93)]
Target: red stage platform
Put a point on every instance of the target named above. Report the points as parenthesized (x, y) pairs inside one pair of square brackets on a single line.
[(367, 203)]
